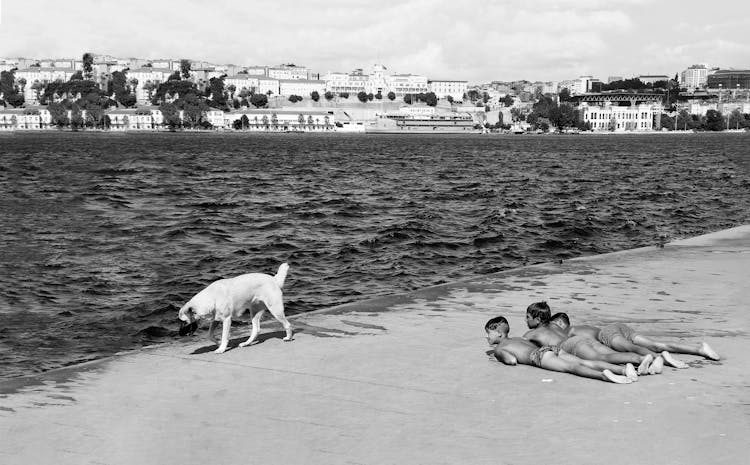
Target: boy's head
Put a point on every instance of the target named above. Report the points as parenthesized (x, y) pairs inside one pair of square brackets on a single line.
[(497, 328), (537, 313), (560, 319)]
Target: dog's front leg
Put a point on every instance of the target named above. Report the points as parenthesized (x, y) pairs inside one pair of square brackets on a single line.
[(211, 330), (227, 323)]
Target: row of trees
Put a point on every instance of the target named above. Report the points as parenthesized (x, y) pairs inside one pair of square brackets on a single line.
[(713, 120)]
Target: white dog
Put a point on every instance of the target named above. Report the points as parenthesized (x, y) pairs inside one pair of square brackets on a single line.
[(229, 298)]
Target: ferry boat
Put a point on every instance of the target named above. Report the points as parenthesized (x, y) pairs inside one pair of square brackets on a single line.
[(399, 123)]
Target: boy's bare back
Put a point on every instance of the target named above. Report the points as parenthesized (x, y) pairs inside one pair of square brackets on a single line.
[(520, 348)]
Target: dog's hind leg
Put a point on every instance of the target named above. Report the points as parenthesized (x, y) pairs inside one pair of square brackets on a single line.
[(277, 310), (227, 323), (256, 327)]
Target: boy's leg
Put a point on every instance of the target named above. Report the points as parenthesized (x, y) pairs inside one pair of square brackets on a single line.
[(553, 362), (703, 349), (597, 365), (621, 344)]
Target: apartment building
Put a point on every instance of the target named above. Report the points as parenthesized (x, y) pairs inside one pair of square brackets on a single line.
[(694, 77), (301, 87)]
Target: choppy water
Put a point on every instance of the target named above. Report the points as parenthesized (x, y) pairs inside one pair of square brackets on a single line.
[(104, 236)]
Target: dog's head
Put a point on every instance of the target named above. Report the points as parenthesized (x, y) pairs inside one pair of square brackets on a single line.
[(188, 321)]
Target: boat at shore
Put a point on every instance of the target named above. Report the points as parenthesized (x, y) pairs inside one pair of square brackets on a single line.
[(399, 123)]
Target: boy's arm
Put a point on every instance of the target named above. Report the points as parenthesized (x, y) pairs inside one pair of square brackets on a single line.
[(531, 336), (505, 356)]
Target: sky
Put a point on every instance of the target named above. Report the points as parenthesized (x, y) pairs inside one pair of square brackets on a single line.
[(474, 40)]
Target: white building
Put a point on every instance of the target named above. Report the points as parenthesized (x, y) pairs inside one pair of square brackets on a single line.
[(346, 82), (36, 77), (301, 87), (242, 81), (148, 79), (33, 117), (402, 84), (694, 77), (287, 72), (266, 85), (611, 117), (272, 120), (581, 85), (444, 88)]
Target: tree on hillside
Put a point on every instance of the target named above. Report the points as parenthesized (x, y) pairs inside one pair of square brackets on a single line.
[(185, 66), (408, 99), (329, 95), (564, 95), (391, 96), (362, 96), (379, 96), (259, 100), (517, 114), (429, 98), (507, 100), (315, 95), (88, 68), (344, 95)]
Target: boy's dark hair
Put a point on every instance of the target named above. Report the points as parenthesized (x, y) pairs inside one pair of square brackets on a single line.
[(561, 317), (495, 322), (539, 310)]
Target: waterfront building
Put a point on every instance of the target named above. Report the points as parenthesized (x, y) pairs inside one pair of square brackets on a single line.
[(30, 117), (609, 116), (143, 118), (621, 111), (652, 78), (301, 87), (9, 118), (445, 87), (148, 79), (278, 120), (729, 79), (694, 77)]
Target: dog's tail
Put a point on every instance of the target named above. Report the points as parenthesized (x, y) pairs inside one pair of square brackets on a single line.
[(281, 274)]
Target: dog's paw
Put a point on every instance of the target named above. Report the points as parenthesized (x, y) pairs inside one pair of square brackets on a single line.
[(288, 339), (220, 350), (245, 344)]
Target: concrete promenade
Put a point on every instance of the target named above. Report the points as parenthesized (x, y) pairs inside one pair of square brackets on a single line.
[(406, 379)]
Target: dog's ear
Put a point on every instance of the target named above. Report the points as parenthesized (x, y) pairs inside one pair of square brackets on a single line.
[(188, 328)]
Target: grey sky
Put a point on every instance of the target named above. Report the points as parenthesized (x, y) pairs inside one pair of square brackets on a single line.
[(476, 40)]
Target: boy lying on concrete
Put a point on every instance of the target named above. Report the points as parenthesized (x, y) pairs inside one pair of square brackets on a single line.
[(514, 350), (544, 333), (623, 338)]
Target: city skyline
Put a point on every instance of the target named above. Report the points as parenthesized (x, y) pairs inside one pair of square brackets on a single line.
[(476, 40)]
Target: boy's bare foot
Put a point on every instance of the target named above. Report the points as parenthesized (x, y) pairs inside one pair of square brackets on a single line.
[(673, 362), (630, 372), (618, 379), (645, 363), (656, 366), (708, 352)]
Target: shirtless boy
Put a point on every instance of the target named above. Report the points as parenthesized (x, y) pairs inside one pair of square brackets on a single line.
[(514, 350), (623, 338), (543, 333)]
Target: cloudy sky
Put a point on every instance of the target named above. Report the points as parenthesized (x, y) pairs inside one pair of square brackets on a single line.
[(475, 40)]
